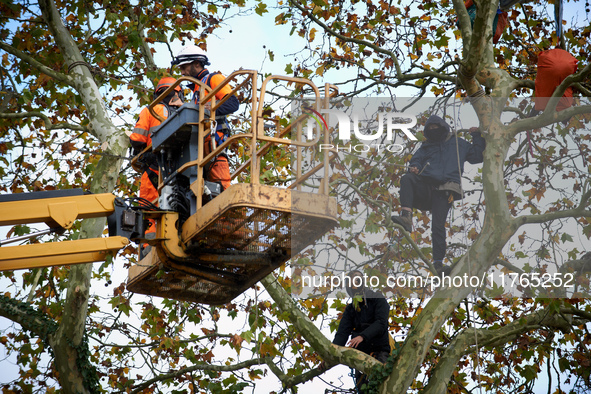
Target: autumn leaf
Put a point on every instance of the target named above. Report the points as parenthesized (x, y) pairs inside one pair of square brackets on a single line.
[(312, 34), (67, 147)]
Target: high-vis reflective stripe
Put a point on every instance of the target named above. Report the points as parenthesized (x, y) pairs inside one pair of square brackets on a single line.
[(147, 124), (140, 131)]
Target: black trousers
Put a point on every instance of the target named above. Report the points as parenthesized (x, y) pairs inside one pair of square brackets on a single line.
[(416, 192)]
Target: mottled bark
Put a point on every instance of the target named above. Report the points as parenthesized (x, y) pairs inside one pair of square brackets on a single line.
[(332, 354), (463, 343), (75, 374)]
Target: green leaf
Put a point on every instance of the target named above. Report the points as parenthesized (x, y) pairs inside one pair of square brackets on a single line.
[(261, 8), (27, 96), (247, 336), (529, 372), (134, 39), (21, 230)]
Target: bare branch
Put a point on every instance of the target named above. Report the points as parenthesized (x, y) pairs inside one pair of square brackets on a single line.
[(550, 216), (508, 265), (291, 381), (399, 74), (545, 119), (144, 47), (464, 24), (198, 367)]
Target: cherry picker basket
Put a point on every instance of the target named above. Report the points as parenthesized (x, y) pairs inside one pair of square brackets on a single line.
[(225, 246)]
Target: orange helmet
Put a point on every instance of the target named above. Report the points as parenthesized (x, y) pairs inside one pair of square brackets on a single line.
[(164, 84)]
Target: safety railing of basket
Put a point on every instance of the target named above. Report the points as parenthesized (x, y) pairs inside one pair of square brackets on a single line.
[(257, 135)]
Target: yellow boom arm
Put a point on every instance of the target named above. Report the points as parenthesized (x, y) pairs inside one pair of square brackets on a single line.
[(57, 212)]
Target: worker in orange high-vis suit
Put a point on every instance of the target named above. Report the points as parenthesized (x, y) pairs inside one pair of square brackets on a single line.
[(192, 61), (141, 138)]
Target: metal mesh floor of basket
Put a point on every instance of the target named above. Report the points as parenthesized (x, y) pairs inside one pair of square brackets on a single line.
[(231, 254)]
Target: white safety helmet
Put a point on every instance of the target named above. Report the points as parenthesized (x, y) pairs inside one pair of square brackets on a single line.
[(190, 54)]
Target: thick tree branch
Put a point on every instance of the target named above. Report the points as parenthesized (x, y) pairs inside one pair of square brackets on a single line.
[(475, 44), (524, 83), (332, 354), (481, 47), (36, 64), (464, 24), (582, 89), (477, 61), (545, 119), (461, 344), (69, 341), (28, 317), (576, 312), (74, 317), (582, 265), (100, 125)]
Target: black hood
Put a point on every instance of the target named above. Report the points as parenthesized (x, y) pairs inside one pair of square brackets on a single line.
[(352, 291), (439, 134)]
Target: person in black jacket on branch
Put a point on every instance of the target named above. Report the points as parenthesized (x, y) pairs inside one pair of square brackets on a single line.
[(365, 320), (433, 180)]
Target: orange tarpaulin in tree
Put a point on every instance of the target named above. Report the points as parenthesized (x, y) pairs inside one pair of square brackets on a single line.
[(554, 66)]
